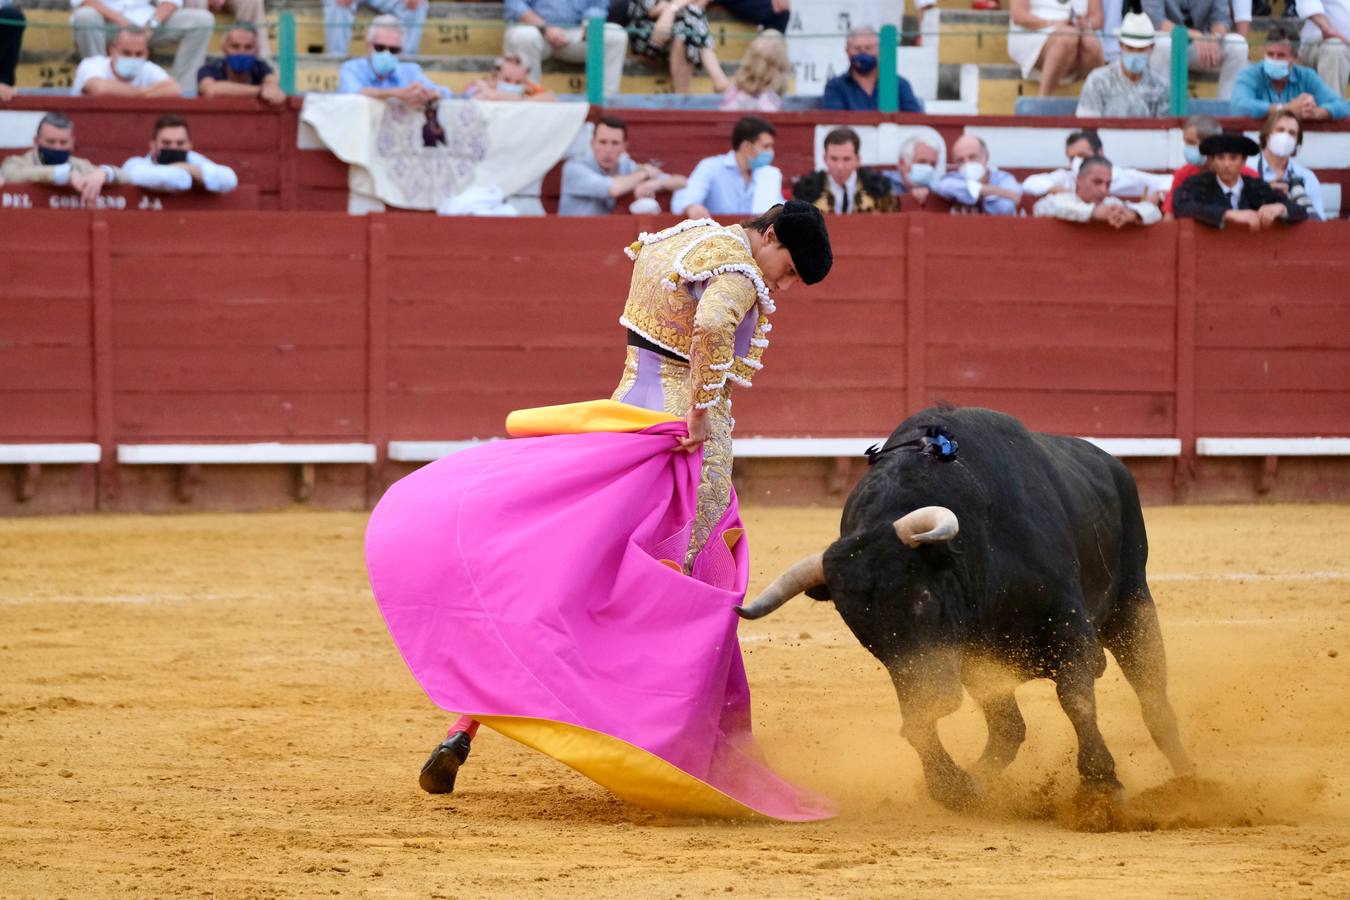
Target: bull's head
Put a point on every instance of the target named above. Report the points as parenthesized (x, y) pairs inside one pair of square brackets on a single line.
[(927, 525)]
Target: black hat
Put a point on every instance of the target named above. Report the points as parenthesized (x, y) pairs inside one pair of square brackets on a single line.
[(1228, 142), (801, 229)]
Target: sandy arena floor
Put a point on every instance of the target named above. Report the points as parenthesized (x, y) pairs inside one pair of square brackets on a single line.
[(210, 706)]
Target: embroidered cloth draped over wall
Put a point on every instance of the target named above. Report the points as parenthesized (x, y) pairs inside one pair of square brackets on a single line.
[(506, 145)]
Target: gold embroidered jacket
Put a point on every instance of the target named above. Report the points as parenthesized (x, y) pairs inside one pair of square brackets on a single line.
[(694, 286)]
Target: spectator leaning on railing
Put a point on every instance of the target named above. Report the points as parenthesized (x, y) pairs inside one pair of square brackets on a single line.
[(1277, 83), (1281, 136), (251, 12), (975, 183), (763, 78), (339, 15), (856, 88), (844, 186), (1212, 46), (12, 24), (126, 71), (165, 22), (741, 182), (918, 167), (1056, 39), (172, 165), (1224, 196), (593, 183), (1084, 145), (381, 75), (1326, 40), (539, 29), (1126, 88), (51, 160), (1091, 200), (239, 72)]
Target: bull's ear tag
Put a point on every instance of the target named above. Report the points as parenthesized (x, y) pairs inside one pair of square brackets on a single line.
[(938, 443)]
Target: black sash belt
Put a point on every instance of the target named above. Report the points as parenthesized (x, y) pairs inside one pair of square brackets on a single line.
[(637, 340)]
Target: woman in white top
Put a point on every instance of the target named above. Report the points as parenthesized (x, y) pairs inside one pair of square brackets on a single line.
[(1281, 136), (1058, 38)]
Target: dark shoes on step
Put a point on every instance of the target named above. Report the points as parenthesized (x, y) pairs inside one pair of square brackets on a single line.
[(440, 769)]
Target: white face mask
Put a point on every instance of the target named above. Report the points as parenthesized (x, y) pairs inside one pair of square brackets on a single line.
[(972, 171), (507, 87), (1282, 143)]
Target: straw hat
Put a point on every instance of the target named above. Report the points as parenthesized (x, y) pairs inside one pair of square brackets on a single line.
[(1136, 30)]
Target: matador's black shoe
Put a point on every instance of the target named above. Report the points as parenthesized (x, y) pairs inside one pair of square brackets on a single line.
[(440, 769)]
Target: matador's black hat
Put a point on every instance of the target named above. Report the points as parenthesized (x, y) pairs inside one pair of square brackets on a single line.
[(1228, 142), (801, 229)]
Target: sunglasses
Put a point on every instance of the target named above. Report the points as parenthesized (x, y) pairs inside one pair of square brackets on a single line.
[(392, 48)]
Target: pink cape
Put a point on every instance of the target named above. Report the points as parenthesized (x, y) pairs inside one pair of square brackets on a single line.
[(524, 583)]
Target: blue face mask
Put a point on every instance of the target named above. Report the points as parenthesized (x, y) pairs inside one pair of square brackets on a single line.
[(240, 62), (384, 63), (863, 63), (921, 174), (50, 156), (1193, 155), (1134, 63), (1276, 69), (761, 159), (128, 67)]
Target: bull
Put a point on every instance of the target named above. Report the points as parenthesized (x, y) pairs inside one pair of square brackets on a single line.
[(974, 545)]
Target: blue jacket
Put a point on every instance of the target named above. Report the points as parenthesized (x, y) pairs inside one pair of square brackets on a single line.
[(1253, 92), (842, 92)]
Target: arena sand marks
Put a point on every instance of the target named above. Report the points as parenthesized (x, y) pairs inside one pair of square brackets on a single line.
[(210, 706)]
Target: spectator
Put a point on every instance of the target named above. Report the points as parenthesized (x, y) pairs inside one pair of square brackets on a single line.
[(172, 165), (539, 29), (126, 71), (1281, 136), (977, 184), (1212, 44), (51, 160), (1196, 129), (763, 78), (592, 184), (1091, 200), (382, 75), (12, 24), (764, 13), (1056, 38), (1083, 145), (1224, 196), (676, 31), (1276, 83), (338, 16), (240, 72), (920, 161), (1326, 40), (844, 186), (741, 182), (167, 23), (509, 81), (856, 89), (1127, 88), (246, 12)]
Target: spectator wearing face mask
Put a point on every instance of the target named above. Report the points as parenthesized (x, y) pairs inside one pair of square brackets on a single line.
[(1126, 88), (239, 72), (173, 166), (51, 160), (920, 161), (1281, 136), (1196, 129), (856, 89), (165, 22), (1082, 145), (975, 183), (509, 81), (741, 182), (1091, 200), (126, 71), (1277, 83), (381, 75), (844, 186), (1223, 196), (12, 24)]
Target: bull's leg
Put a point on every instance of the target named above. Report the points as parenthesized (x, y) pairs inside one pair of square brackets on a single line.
[(1007, 731), (1078, 697), (929, 688), (948, 783), (1135, 640)]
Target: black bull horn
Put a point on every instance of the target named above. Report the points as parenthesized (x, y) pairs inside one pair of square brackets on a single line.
[(926, 525)]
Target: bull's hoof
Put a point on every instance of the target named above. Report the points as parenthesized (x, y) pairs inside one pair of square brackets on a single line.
[(958, 791), (1099, 807), (441, 768)]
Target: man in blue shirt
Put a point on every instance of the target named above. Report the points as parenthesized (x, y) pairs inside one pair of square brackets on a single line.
[(977, 184), (1276, 82), (856, 89), (381, 75), (741, 182), (539, 29)]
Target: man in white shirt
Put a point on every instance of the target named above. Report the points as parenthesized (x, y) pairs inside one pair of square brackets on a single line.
[(1326, 40), (167, 23), (1127, 183), (172, 165), (1091, 200), (126, 71)]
